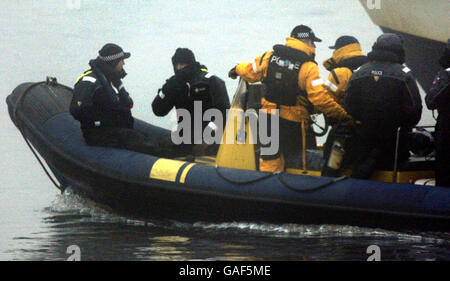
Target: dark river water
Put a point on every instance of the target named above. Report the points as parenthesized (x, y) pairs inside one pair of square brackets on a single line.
[(48, 37)]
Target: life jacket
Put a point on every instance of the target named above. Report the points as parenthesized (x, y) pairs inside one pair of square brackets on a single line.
[(198, 87), (211, 91), (110, 114), (282, 75), (82, 100)]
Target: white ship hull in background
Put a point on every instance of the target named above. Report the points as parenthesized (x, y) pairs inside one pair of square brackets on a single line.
[(424, 26)]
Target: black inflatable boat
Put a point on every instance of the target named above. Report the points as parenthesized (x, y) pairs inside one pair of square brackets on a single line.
[(144, 186)]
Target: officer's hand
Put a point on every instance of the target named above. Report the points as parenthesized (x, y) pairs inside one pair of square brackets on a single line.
[(348, 121), (117, 83), (172, 85), (125, 98), (232, 73)]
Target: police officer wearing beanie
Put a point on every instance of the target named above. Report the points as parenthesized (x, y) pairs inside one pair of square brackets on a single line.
[(383, 95), (103, 106), (438, 97), (192, 82)]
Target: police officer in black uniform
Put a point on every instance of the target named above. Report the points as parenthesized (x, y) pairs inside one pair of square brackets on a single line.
[(383, 96), (439, 98), (103, 106), (191, 83)]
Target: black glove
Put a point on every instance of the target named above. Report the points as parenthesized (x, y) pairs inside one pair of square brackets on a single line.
[(348, 121), (117, 82), (232, 73), (172, 86), (125, 98)]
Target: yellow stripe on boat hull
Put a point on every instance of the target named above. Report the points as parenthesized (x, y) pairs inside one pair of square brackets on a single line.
[(167, 170)]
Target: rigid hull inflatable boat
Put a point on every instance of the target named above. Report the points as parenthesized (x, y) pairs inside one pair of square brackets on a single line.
[(145, 186)]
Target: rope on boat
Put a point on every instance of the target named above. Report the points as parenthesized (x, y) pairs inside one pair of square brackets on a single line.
[(281, 179), (19, 101)]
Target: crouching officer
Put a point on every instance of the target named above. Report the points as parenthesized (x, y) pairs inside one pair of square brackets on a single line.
[(438, 98), (103, 106), (192, 84), (295, 88), (346, 58), (383, 95)]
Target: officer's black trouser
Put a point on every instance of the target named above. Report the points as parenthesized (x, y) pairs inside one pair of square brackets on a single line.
[(443, 150), (181, 150), (367, 153), (123, 138)]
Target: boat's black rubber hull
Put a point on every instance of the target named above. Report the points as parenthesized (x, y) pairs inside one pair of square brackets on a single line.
[(184, 206), (121, 180), (157, 201)]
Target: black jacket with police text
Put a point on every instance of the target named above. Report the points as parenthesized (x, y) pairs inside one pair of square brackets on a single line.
[(97, 107), (383, 95)]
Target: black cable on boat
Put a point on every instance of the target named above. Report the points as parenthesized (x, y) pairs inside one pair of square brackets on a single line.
[(50, 81), (242, 182), (315, 188)]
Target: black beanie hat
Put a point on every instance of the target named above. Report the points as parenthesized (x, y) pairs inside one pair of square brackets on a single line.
[(183, 56), (444, 61), (390, 42)]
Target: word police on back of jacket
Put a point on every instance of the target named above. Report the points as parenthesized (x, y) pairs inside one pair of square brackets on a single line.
[(285, 63)]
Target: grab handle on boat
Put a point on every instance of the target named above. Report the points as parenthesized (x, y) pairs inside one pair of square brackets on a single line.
[(397, 142), (52, 81)]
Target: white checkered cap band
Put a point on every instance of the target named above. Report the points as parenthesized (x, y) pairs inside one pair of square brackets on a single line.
[(112, 57), (303, 35)]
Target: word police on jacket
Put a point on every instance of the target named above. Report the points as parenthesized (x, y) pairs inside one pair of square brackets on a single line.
[(285, 63)]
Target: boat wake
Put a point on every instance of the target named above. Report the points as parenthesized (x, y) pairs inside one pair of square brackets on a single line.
[(70, 207), (73, 206)]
